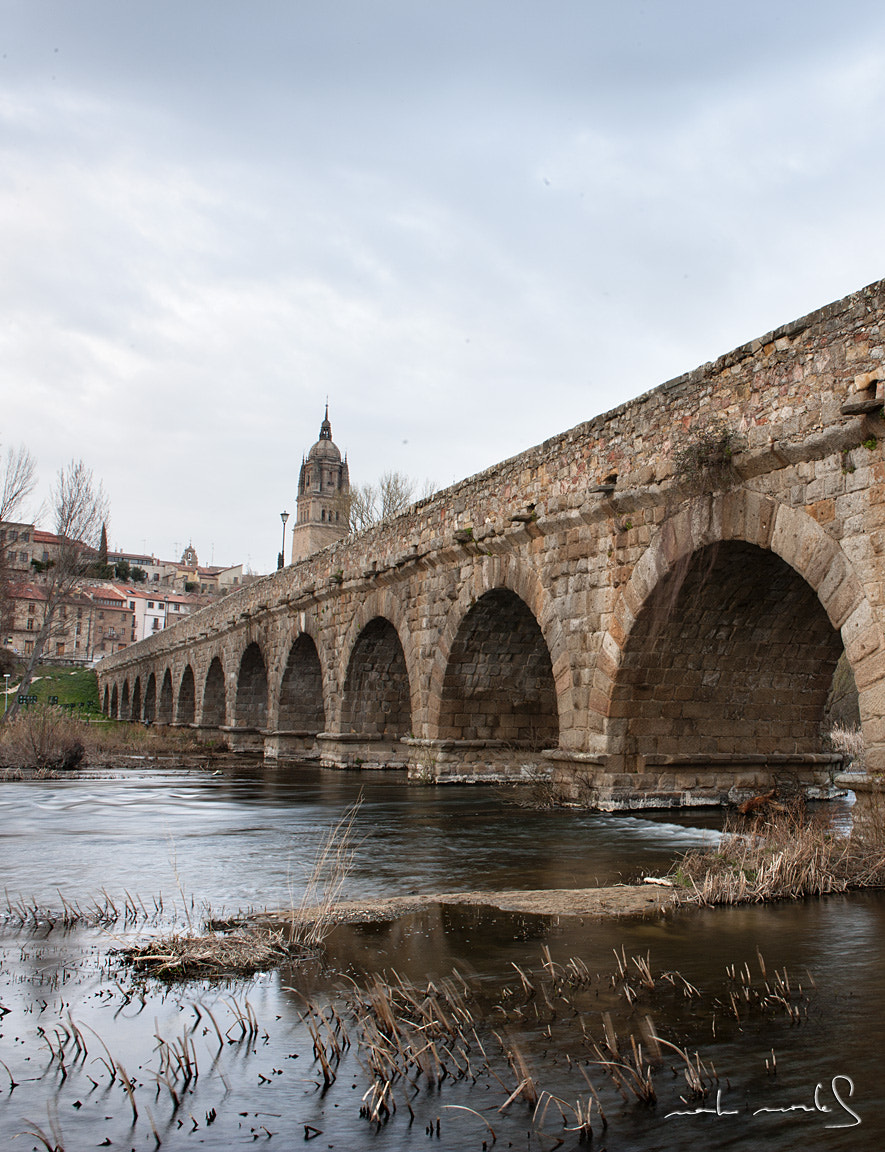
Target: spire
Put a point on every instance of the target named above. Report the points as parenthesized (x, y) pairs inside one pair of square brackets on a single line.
[(326, 427)]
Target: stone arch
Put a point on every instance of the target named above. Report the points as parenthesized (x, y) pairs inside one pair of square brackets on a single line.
[(125, 713), (106, 705), (506, 574), (136, 700), (185, 711), (725, 637), (301, 707), (214, 709), (387, 604), (250, 710), (164, 710), (377, 699), (115, 703), (150, 700), (498, 683)]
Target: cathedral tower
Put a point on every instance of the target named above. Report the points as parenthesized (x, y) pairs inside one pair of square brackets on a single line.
[(323, 487)]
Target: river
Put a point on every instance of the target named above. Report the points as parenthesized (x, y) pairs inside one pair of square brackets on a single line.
[(782, 1018)]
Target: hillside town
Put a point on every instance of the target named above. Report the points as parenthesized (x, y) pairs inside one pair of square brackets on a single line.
[(123, 597), (142, 595)]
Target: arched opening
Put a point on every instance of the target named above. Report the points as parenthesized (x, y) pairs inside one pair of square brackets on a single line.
[(150, 700), (136, 699), (732, 656), (251, 706), (106, 706), (125, 713), (301, 691), (186, 698), (213, 696), (377, 701), (164, 712), (499, 681), (114, 712)]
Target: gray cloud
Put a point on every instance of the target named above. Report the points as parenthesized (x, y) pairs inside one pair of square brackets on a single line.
[(469, 225)]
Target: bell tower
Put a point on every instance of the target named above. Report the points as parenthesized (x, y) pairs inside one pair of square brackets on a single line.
[(323, 487)]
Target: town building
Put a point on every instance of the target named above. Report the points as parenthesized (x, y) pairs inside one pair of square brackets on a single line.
[(91, 623)]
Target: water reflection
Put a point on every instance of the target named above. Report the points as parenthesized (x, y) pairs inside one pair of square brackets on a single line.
[(244, 837)]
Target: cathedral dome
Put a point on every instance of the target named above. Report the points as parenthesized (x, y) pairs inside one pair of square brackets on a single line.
[(325, 449)]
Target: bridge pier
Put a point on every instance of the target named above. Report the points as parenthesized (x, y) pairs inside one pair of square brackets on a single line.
[(468, 761), (356, 750), (291, 745), (243, 739), (689, 781), (206, 733)]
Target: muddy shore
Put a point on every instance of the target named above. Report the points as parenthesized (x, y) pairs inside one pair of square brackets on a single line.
[(613, 901)]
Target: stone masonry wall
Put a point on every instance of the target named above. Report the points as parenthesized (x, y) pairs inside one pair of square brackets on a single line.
[(583, 529)]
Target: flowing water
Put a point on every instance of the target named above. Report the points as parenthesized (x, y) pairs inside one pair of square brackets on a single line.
[(184, 841)]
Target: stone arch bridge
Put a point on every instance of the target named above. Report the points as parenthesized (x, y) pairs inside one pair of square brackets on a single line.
[(650, 607)]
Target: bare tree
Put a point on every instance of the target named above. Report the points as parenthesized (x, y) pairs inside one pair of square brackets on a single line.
[(18, 478), (368, 504), (80, 509)]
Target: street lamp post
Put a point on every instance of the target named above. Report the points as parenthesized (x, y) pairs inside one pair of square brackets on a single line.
[(284, 516), (6, 678)]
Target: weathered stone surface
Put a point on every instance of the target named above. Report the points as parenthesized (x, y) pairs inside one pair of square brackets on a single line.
[(586, 607)]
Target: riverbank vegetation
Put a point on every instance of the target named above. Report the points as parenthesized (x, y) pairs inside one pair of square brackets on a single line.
[(784, 854), (47, 738)]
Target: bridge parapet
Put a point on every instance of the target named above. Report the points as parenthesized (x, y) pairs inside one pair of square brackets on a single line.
[(589, 606)]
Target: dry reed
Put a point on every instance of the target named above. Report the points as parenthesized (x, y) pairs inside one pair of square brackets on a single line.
[(785, 858), (188, 956), (312, 919)]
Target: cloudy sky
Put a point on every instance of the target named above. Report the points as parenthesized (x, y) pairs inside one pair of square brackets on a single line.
[(470, 223)]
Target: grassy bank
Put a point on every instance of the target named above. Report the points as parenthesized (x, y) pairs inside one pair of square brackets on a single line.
[(64, 685)]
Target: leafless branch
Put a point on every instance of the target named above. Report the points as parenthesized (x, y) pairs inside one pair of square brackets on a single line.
[(19, 479)]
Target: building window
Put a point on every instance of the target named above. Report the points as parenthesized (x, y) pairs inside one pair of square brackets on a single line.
[(59, 649), (23, 556), (29, 647), (30, 624), (32, 608), (150, 603)]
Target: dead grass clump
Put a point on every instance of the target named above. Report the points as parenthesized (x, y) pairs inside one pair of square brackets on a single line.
[(228, 954), (105, 737), (784, 857), (704, 463), (850, 742), (43, 738)]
